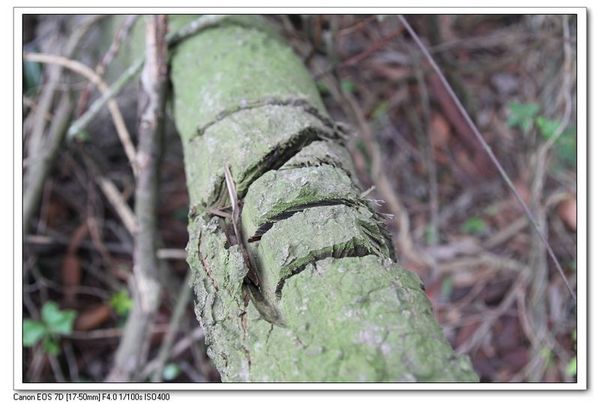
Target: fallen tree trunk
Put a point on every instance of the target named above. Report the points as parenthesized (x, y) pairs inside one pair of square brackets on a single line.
[(302, 284)]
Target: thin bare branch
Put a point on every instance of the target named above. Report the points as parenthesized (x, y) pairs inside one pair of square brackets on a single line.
[(176, 318), (111, 192), (108, 57), (89, 74), (41, 163), (201, 23), (134, 345), (487, 149)]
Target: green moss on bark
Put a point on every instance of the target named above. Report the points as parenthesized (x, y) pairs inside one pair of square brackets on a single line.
[(281, 193), (215, 78), (218, 274), (354, 319), (311, 235), (250, 141), (330, 305)]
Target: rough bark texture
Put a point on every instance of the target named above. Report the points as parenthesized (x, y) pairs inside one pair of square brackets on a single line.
[(320, 297)]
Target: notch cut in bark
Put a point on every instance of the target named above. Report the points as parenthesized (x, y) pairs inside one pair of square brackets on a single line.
[(279, 194), (339, 318)]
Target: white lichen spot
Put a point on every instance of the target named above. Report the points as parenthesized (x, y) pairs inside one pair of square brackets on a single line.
[(314, 350), (385, 349), (370, 336)]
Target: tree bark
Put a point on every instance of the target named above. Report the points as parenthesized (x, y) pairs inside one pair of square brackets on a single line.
[(311, 292)]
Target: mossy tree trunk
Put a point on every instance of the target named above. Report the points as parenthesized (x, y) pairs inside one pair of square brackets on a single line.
[(312, 292)]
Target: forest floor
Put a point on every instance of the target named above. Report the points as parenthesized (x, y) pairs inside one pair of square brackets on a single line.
[(497, 294)]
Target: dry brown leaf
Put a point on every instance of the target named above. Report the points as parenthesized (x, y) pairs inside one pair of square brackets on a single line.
[(567, 210), (93, 317), (71, 276), (439, 130)]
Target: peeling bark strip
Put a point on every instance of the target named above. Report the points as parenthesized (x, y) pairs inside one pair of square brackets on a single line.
[(329, 303)]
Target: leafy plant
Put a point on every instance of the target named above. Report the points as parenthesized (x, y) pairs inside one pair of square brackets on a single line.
[(571, 368), (474, 225), (54, 323), (322, 88), (525, 116), (121, 302), (380, 110), (547, 127), (83, 135), (32, 76), (171, 371), (447, 288), (347, 86), (566, 144), (548, 356), (431, 235), (522, 115)]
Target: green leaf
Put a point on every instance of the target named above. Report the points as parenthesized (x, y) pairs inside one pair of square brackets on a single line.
[(571, 369), (171, 371), (58, 321), (83, 135), (33, 331), (474, 225), (32, 76), (447, 287), (380, 110), (347, 86), (522, 115), (547, 127), (121, 302), (431, 235), (51, 345), (322, 88), (566, 146)]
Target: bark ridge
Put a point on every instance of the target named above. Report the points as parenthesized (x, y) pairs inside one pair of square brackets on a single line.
[(324, 299)]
